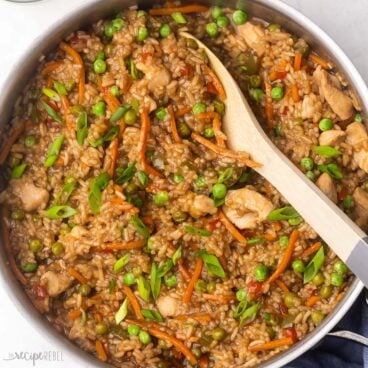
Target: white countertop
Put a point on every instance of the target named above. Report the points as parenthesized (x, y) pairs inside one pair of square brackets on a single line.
[(345, 21)]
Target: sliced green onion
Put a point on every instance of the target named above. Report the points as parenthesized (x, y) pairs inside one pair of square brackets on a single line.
[(197, 231), (179, 17), (51, 94), (240, 308), (314, 265), (139, 226), (143, 178), (284, 213), (327, 151), (255, 240), (155, 281), (82, 128), (249, 315), (60, 88), (119, 113), (122, 312), (60, 212), (65, 193), (18, 171), (165, 268), (333, 170), (225, 175), (97, 185), (125, 175), (54, 151), (52, 113), (143, 288), (177, 255), (212, 263), (112, 285), (152, 315), (121, 262)]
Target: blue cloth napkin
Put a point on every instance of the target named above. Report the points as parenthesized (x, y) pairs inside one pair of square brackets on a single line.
[(335, 352)]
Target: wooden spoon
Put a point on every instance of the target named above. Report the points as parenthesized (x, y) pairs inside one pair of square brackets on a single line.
[(244, 133)]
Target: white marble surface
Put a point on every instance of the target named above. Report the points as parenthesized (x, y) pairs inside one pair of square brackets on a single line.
[(345, 21)]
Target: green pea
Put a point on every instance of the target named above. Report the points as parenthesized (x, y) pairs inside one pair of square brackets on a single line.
[(241, 295), (218, 334), (219, 107), (291, 300), (18, 215), (142, 33), (101, 55), (298, 266), (101, 328), (178, 178), (161, 113), (261, 272), (200, 182), (283, 240), (84, 289), (219, 191), (326, 291), (307, 163), (99, 108), (57, 248), (133, 330), (277, 93), (274, 27), (256, 94), (114, 90), (211, 287), (35, 245), (179, 216), (311, 175), (131, 188), (30, 267), (99, 66), (141, 13), (118, 23), (199, 108), (255, 81), (161, 198), (29, 141), (317, 317), (129, 278), (212, 29), (240, 17), (222, 21), (109, 30), (348, 202), (209, 133), (200, 286), (144, 337), (358, 118), (137, 271), (162, 344), (340, 267), (325, 124), (184, 130), (170, 280), (216, 11), (295, 221), (319, 279), (165, 30), (130, 117), (278, 130), (337, 279)]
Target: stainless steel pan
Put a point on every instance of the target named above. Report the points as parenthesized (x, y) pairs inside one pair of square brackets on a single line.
[(270, 10)]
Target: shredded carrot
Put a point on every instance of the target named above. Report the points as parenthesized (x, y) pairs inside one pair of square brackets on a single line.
[(269, 106), (286, 257), (238, 156), (312, 249), (174, 130), (196, 274), (286, 341), (78, 60), (181, 112), (65, 104), (114, 146), (312, 300), (49, 82), (277, 74), (5, 236), (216, 82), (318, 60), (9, 141), (74, 314), (204, 361), (340, 296), (50, 67), (74, 273), (101, 353), (207, 115), (231, 228), (282, 285), (295, 93), (201, 317), (269, 237), (219, 298), (298, 61), (186, 9), (137, 244), (133, 301), (276, 225), (220, 136), (112, 102), (183, 270)]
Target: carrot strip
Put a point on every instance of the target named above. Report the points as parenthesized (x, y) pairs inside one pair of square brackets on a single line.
[(50, 67), (219, 298), (216, 82), (114, 146), (269, 106), (174, 130), (196, 274), (277, 74), (318, 60), (10, 140), (184, 271), (78, 60), (271, 345), (238, 156), (186, 9), (220, 136), (133, 301), (74, 273), (201, 317), (282, 285), (312, 249), (65, 104), (112, 102), (142, 145), (298, 61), (5, 236), (231, 228), (74, 314), (295, 93), (269, 237), (101, 353), (207, 115), (286, 257), (340, 296), (181, 112), (312, 300), (126, 246)]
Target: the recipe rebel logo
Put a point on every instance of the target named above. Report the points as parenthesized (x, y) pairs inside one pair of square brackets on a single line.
[(34, 357)]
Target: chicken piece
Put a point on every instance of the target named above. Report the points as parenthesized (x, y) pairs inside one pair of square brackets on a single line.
[(331, 137), (311, 107), (167, 305), (327, 186), (361, 206), (246, 208), (330, 89), (32, 197), (254, 36), (55, 283), (202, 205), (357, 137)]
